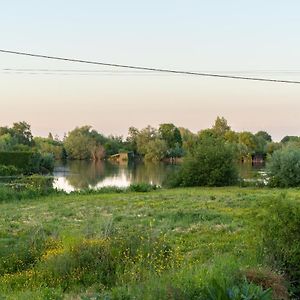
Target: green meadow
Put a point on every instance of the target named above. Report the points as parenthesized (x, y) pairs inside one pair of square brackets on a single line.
[(186, 243)]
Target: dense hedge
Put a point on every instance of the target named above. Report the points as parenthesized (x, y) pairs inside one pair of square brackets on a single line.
[(28, 162), (20, 160)]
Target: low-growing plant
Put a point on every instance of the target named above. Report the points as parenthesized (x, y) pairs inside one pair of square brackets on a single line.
[(142, 187)]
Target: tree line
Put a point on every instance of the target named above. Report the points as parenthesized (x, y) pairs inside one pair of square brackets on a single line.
[(153, 144)]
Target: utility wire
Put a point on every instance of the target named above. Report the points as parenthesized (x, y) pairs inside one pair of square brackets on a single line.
[(147, 68), (144, 72)]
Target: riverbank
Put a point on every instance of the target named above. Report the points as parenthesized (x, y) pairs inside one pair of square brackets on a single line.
[(158, 245)]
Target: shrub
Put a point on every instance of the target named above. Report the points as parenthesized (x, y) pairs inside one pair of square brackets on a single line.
[(20, 160), (281, 238), (28, 162), (34, 182), (284, 168), (9, 170), (142, 187), (210, 163)]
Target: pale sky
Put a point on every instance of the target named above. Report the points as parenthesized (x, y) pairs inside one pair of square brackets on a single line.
[(253, 38)]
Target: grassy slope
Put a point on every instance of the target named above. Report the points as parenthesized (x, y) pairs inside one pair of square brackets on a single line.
[(204, 224)]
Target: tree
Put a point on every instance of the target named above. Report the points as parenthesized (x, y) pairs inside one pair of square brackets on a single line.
[(290, 138), (211, 163), (7, 142), (132, 139), (284, 167), (188, 138), (156, 150), (171, 134), (22, 132), (84, 143), (247, 141), (264, 135), (144, 137), (50, 136), (231, 137), (221, 126)]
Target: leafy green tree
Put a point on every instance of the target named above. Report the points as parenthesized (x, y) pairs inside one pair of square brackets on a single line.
[(211, 163), (84, 143), (264, 135), (170, 134), (221, 126), (48, 145), (231, 137), (188, 138), (284, 167), (273, 146), (7, 142), (156, 150), (144, 137), (247, 143), (290, 138), (131, 140), (114, 145), (22, 132)]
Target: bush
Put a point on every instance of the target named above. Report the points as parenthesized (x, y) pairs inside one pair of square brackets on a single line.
[(284, 168), (142, 187), (281, 238), (28, 162), (9, 171), (20, 160), (211, 163), (35, 183)]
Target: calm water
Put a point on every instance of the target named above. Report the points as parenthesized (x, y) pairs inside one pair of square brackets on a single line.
[(76, 175)]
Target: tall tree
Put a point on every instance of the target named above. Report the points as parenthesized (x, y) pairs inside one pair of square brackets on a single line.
[(84, 143), (170, 134), (22, 132), (221, 126)]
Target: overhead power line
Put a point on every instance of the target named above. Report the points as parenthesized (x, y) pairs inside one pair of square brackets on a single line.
[(141, 68)]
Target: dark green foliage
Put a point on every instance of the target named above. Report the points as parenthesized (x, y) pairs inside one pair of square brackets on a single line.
[(142, 187), (27, 188), (22, 132), (264, 135), (284, 168), (28, 162), (171, 134), (245, 290), (290, 138), (211, 163), (281, 237), (9, 170), (20, 160)]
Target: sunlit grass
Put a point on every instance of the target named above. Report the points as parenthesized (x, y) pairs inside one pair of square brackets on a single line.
[(115, 244)]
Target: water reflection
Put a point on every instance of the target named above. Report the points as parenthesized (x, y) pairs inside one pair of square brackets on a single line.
[(78, 175)]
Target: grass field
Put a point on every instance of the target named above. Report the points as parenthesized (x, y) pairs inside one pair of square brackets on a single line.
[(166, 244)]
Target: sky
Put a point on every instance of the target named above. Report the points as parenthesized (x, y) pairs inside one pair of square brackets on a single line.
[(251, 38)]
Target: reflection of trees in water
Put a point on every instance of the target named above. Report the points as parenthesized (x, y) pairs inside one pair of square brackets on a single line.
[(149, 172), (249, 171), (85, 174)]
